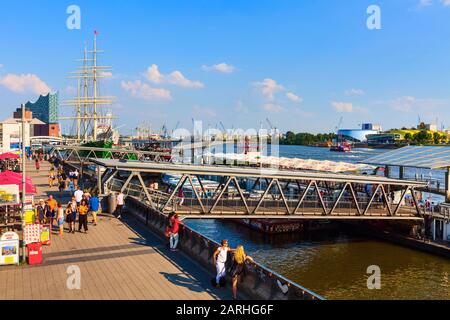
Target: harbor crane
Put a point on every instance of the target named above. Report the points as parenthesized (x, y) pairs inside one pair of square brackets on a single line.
[(176, 127)]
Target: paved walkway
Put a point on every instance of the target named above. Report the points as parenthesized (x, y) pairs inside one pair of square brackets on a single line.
[(117, 260)]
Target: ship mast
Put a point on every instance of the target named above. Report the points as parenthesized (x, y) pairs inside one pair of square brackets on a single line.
[(95, 87), (89, 102), (85, 93), (78, 112)]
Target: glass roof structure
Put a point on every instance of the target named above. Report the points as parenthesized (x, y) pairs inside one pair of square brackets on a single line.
[(424, 157)]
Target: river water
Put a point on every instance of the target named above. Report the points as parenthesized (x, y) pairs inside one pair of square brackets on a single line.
[(334, 263)]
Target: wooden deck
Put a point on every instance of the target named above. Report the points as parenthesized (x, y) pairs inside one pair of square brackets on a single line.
[(117, 260)]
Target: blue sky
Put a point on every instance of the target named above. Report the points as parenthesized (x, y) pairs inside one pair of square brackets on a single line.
[(301, 63)]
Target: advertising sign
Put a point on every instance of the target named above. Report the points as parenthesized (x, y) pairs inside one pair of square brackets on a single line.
[(9, 248), (32, 233), (30, 216), (46, 232), (29, 200), (9, 194)]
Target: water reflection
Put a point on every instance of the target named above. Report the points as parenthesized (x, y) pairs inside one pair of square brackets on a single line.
[(334, 263)]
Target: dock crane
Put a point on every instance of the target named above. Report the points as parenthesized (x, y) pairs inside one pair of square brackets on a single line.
[(176, 127), (273, 129)]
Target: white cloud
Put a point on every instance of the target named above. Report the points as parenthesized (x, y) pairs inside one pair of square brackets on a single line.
[(221, 67), (268, 88), (178, 79), (403, 103), (24, 83), (175, 78), (343, 106), (273, 107), (412, 104), (1, 66), (354, 92), (425, 3), (142, 90), (293, 97), (153, 74)]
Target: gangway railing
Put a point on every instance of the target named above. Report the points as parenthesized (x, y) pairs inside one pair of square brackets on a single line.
[(86, 155), (310, 199)]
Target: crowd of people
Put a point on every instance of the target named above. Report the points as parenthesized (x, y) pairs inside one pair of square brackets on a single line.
[(84, 205), (57, 177), (81, 206)]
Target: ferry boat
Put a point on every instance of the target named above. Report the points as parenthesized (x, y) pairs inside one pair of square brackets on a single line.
[(341, 147)]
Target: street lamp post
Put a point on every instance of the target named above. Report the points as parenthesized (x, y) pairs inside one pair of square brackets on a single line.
[(23, 183)]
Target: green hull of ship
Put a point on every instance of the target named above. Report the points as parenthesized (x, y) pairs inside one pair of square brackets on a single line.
[(107, 154)]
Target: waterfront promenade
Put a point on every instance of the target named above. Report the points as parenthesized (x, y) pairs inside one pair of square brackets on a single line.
[(117, 260)]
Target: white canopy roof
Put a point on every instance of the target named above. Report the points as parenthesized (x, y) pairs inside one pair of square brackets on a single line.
[(291, 163)]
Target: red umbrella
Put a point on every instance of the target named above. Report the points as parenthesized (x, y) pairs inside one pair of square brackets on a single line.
[(9, 177), (9, 155)]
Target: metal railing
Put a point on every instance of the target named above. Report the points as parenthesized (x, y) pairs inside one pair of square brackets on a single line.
[(260, 281), (87, 154), (231, 203)]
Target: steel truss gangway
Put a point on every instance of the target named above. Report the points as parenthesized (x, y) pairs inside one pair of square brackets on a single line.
[(85, 155), (316, 195)]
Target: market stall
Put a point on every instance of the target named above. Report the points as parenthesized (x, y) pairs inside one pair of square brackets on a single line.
[(10, 210), (9, 162)]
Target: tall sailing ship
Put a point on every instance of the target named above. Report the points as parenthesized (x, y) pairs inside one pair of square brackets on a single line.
[(92, 122)]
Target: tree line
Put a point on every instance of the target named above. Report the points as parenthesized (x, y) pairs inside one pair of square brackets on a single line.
[(425, 137), (306, 139)]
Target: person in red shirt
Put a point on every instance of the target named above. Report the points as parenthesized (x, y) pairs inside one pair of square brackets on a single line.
[(173, 230)]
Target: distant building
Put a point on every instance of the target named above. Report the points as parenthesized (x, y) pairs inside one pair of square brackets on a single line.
[(371, 126), (384, 138), (46, 109), (11, 132), (359, 135)]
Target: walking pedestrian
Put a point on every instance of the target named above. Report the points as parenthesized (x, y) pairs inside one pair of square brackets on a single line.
[(120, 204), (56, 163), (51, 177), (60, 219), (76, 176), (174, 228), (238, 268), (220, 258), (62, 187), (64, 178), (71, 186), (41, 211), (52, 207), (82, 216), (78, 195), (37, 164), (94, 207), (71, 214)]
